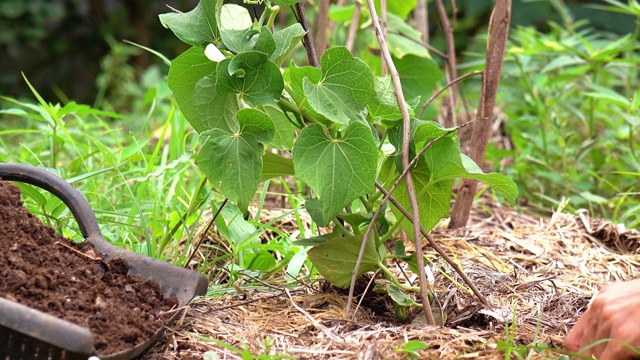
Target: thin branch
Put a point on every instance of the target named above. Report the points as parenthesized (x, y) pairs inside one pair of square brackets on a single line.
[(406, 121), (203, 235), (427, 46), (383, 27), (449, 121), (353, 27), (307, 40), (365, 293), (438, 249), (455, 81)]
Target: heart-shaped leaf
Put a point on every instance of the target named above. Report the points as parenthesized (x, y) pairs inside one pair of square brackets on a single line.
[(215, 111), (286, 40), (336, 258), (337, 169), (252, 76), (233, 161), (344, 88), (433, 177), (197, 27), (185, 72)]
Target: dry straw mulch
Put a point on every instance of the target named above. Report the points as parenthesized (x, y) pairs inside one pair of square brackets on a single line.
[(538, 273)]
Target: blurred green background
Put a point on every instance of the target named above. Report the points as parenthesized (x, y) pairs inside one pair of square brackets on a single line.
[(74, 49)]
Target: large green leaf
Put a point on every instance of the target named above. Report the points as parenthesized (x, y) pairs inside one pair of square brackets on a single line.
[(215, 111), (336, 258), (337, 169), (252, 76), (286, 40), (197, 27), (233, 161), (344, 89), (185, 72), (434, 175), (385, 104), (234, 17)]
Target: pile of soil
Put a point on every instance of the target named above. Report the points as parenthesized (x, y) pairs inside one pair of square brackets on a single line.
[(43, 270)]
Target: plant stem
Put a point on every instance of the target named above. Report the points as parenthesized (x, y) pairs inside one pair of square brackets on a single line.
[(406, 121), (421, 17), (307, 40), (353, 27), (437, 248), (366, 203), (203, 235), (391, 277), (496, 46), (273, 12), (391, 231), (383, 27), (343, 230)]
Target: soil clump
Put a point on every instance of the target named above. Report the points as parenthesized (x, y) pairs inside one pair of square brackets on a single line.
[(41, 269)]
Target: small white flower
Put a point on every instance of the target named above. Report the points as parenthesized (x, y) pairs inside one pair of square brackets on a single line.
[(212, 53)]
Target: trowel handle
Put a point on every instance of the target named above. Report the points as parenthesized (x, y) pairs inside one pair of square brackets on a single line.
[(74, 200)]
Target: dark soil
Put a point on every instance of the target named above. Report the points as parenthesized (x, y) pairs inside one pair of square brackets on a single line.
[(43, 270)]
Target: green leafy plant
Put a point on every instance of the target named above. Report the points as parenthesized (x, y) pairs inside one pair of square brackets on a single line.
[(338, 125), (575, 125)]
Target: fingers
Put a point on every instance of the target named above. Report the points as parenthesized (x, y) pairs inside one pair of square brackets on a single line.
[(615, 349), (574, 338), (594, 331)]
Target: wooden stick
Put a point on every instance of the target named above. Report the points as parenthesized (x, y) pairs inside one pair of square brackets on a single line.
[(307, 40), (496, 46)]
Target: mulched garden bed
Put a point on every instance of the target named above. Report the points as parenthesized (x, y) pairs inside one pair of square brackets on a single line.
[(43, 270), (539, 273)]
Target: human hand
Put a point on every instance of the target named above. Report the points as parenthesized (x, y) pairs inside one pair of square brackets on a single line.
[(613, 314)]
